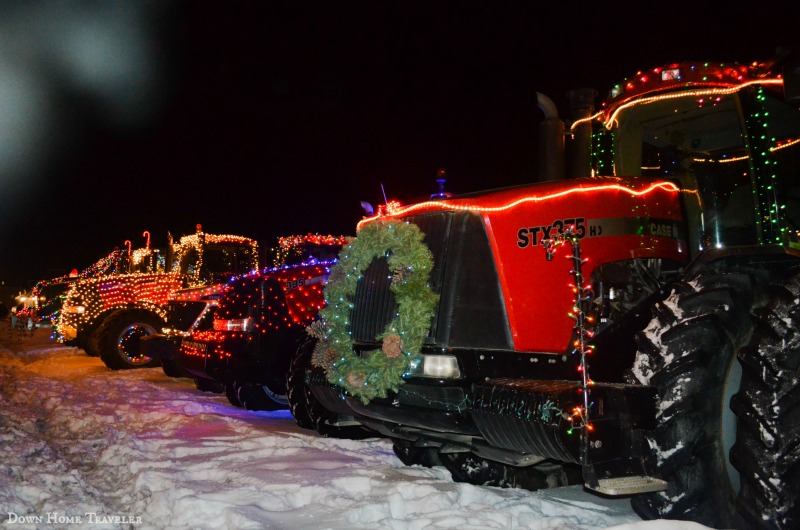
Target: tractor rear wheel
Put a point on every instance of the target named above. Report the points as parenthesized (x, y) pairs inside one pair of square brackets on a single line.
[(698, 352), (118, 339), (767, 449)]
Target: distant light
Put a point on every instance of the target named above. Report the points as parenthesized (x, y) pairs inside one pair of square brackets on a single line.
[(671, 74)]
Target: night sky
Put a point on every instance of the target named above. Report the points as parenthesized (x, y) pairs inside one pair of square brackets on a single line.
[(274, 118)]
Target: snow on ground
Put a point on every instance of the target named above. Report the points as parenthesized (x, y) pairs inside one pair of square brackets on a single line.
[(82, 446)]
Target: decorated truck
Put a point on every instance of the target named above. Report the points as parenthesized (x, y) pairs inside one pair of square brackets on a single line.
[(108, 315), (634, 327), (258, 323)]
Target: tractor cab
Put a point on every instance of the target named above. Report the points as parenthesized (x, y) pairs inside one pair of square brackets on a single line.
[(725, 133)]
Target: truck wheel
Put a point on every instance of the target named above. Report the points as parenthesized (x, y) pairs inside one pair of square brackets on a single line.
[(207, 385), (118, 339), (232, 393), (768, 408), (307, 409), (296, 388), (689, 352), (254, 396)]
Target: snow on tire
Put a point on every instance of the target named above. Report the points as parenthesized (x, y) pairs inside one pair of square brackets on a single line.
[(767, 449), (689, 352)]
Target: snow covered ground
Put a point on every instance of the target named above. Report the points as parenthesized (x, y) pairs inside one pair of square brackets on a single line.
[(84, 447)]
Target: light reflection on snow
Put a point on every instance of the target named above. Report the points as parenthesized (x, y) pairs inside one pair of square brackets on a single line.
[(76, 437)]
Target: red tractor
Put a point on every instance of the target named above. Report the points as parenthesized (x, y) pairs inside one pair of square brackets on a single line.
[(108, 315), (659, 358)]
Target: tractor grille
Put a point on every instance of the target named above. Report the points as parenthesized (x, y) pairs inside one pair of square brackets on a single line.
[(374, 304)]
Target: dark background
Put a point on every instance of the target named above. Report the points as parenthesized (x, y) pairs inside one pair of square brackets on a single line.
[(267, 118)]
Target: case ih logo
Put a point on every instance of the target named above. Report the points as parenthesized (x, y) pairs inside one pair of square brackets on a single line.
[(641, 226)]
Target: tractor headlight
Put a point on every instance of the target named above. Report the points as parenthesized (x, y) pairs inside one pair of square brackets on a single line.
[(437, 366)]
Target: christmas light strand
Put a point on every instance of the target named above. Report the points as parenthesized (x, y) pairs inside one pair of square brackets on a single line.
[(394, 208), (583, 332)]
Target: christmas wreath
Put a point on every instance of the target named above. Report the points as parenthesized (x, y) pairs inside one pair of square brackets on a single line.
[(410, 263)]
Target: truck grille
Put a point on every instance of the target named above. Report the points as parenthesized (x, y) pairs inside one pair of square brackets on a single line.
[(181, 315)]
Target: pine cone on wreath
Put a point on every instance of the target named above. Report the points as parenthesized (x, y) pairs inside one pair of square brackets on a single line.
[(392, 346)]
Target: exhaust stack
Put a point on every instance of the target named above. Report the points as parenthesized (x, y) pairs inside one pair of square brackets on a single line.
[(581, 104), (551, 141)]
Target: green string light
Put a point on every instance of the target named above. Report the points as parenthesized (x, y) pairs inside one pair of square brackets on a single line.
[(769, 211)]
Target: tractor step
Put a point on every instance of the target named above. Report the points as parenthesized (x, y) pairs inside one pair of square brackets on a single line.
[(629, 485)]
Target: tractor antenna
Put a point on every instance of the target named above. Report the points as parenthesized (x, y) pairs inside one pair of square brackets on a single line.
[(385, 200)]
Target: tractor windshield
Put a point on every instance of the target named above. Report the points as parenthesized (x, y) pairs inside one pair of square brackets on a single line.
[(229, 260), (739, 181), (217, 262)]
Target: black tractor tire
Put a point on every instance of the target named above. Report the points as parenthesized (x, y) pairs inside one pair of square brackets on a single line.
[(118, 339), (411, 455), (472, 469), (767, 449), (308, 412), (691, 352), (87, 341), (253, 396), (207, 385)]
